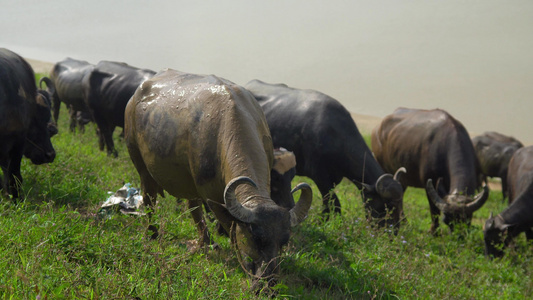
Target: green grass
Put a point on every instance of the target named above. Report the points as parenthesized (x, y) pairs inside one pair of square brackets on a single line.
[(53, 245)]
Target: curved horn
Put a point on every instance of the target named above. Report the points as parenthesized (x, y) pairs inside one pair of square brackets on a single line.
[(399, 172), (479, 200), (299, 212), (386, 186), (365, 186), (234, 207), (379, 186), (49, 84), (379, 183), (434, 196)]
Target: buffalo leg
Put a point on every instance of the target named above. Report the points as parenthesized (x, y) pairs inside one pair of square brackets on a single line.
[(149, 186), (195, 206), (14, 177), (504, 187), (106, 134), (108, 137), (72, 116), (529, 234), (101, 142), (329, 197), (4, 171), (435, 213)]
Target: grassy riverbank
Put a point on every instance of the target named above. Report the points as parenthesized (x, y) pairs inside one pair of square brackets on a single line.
[(54, 245)]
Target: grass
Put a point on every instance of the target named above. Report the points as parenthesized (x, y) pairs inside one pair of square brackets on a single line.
[(54, 245)]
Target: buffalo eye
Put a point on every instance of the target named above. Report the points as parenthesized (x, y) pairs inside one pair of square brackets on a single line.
[(257, 235)]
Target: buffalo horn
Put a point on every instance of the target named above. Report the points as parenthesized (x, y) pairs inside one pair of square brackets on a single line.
[(479, 200), (434, 196), (299, 212), (380, 188), (49, 84), (398, 172), (234, 207)]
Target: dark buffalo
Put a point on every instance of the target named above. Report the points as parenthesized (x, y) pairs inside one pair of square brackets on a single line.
[(25, 120), (205, 138), (432, 145), (518, 216), (66, 85), (109, 88), (328, 147), (494, 151)]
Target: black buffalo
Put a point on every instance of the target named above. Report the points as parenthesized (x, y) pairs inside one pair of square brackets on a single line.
[(328, 147), (25, 120), (518, 216), (66, 85), (494, 151), (109, 87), (433, 146)]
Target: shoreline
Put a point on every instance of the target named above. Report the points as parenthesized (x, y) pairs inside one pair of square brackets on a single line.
[(365, 123)]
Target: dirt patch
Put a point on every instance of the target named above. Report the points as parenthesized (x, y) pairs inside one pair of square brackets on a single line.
[(40, 66), (366, 123)]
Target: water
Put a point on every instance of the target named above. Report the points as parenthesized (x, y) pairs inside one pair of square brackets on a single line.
[(473, 59)]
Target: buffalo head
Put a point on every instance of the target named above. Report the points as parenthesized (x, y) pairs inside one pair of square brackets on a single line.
[(384, 200), (38, 147), (262, 227), (495, 235), (456, 207)]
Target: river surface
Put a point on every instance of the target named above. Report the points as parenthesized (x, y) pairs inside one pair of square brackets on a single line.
[(471, 58)]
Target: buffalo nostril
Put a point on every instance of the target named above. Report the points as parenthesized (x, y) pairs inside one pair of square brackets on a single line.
[(51, 155)]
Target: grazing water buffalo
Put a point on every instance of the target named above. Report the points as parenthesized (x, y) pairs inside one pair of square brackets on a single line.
[(518, 216), (328, 147), (432, 145), (66, 85), (25, 120), (109, 88), (205, 138), (494, 151)]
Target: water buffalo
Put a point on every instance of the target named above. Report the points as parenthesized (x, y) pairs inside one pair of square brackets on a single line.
[(25, 120), (205, 138), (66, 85), (494, 151), (328, 147), (499, 231), (109, 87), (432, 145)]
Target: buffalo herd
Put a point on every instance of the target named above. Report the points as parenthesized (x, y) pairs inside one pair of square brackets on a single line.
[(234, 150)]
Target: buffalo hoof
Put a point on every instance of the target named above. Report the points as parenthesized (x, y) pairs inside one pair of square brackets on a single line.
[(264, 287), (195, 245), (153, 231)]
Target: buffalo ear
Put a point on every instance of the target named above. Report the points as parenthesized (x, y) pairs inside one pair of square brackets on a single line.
[(489, 224), (505, 227)]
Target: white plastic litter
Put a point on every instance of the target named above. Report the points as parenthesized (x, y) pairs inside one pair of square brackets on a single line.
[(127, 200)]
